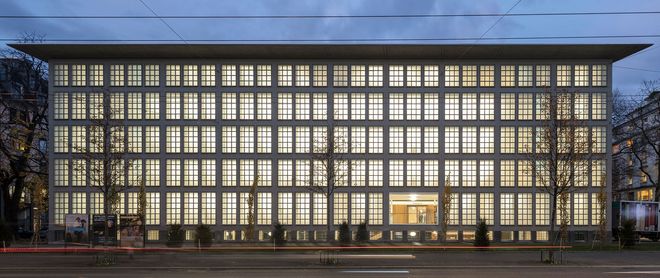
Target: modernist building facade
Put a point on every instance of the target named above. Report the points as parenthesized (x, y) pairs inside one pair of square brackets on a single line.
[(202, 122)]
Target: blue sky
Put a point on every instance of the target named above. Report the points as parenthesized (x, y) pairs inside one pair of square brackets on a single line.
[(626, 80)]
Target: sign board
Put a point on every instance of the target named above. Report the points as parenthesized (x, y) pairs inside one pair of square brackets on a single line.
[(98, 227), (131, 231), (76, 228)]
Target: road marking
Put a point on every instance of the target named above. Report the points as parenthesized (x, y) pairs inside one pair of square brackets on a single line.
[(377, 271), (635, 272)]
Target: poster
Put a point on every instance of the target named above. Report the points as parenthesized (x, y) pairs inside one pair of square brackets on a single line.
[(131, 232), (98, 228), (77, 228)]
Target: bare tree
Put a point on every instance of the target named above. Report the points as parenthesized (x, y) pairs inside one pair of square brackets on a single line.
[(641, 131), (330, 168), (249, 229), (562, 154), (446, 207), (23, 124), (105, 156)]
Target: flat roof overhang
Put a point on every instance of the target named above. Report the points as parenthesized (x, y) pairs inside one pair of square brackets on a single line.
[(612, 52)]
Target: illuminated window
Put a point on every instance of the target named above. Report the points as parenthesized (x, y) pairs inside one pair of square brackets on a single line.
[(117, 75), (486, 173), (524, 139), (246, 135), (524, 209), (263, 106), (508, 76), (285, 173), (452, 106), (507, 209), (507, 173), (229, 106), (580, 209), (246, 106), (95, 75), (173, 208), (173, 75), (61, 103), (525, 106), (152, 75), (153, 208), (452, 76), (414, 106), (469, 209), (173, 139), (486, 106), (173, 109), (564, 75), (599, 139), (285, 106), (469, 140), (152, 172), (341, 105), (61, 207), (396, 139), (320, 75), (229, 208), (208, 75), (60, 75), (396, 75), (190, 139), (78, 139), (542, 76), (302, 75), (228, 75), (61, 175), (469, 106), (340, 75), (151, 106), (302, 208), (246, 75), (78, 75), (452, 139), (469, 76), (190, 208), (284, 75), (61, 137), (228, 139), (285, 208), (135, 139), (229, 172), (358, 208), (507, 139), (173, 172), (151, 139), (285, 139), (208, 208), (375, 76), (452, 172), (302, 106), (264, 73), (78, 106), (134, 75), (431, 140), (264, 208), (358, 75), (414, 76), (486, 208), (525, 76), (486, 76), (431, 76), (599, 75), (414, 139), (469, 173), (340, 208), (508, 104), (524, 173), (581, 75), (542, 212)]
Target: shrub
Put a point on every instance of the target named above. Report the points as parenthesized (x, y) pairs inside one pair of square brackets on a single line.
[(481, 235), (362, 233), (203, 236), (5, 234), (277, 235), (175, 236), (628, 235), (344, 234)]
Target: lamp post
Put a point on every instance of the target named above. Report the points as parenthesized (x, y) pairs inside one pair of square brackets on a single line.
[(270, 235)]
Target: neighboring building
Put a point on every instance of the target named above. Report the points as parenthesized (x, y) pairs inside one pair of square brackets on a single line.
[(204, 120), (21, 98), (635, 159)]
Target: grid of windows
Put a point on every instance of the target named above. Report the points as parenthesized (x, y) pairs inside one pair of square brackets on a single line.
[(186, 134)]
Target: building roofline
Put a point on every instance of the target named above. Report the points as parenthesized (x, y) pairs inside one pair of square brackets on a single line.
[(612, 52)]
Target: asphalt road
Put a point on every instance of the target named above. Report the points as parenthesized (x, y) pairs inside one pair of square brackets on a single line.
[(359, 264), (394, 272)]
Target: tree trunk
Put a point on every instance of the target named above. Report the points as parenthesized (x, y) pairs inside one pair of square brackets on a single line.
[(329, 238)]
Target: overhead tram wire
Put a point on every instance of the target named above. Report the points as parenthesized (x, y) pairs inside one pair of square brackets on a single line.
[(350, 39), (324, 16)]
